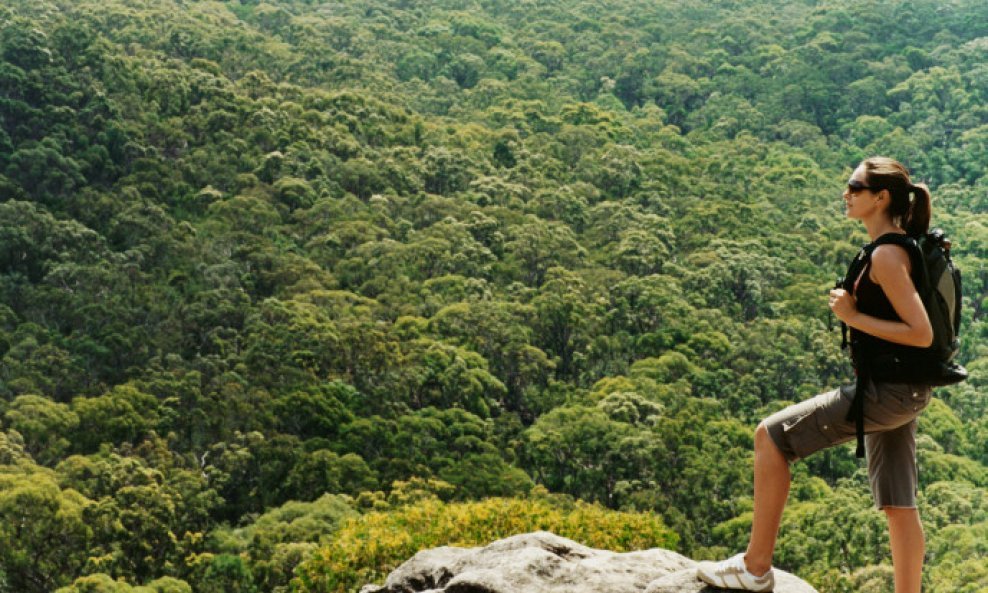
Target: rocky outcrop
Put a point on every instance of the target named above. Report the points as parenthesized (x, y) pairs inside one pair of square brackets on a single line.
[(543, 562)]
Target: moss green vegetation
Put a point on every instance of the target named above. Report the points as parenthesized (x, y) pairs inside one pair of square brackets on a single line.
[(271, 270), (368, 547)]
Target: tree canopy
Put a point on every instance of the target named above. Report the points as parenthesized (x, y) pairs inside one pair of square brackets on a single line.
[(279, 275)]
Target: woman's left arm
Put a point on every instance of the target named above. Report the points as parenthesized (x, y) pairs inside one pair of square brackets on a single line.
[(890, 268)]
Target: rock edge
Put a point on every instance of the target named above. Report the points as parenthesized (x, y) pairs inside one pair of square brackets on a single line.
[(543, 562)]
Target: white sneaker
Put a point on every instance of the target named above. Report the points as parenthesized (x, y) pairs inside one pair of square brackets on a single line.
[(733, 574)]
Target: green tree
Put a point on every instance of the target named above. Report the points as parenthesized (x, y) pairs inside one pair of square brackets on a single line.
[(123, 415), (538, 246), (44, 424), (323, 471), (44, 532)]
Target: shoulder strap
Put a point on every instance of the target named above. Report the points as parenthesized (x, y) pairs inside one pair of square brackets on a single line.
[(919, 272), (847, 283)]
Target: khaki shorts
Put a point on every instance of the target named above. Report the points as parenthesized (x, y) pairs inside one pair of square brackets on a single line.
[(890, 434)]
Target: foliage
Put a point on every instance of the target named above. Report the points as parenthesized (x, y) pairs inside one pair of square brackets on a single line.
[(367, 548), (266, 265)]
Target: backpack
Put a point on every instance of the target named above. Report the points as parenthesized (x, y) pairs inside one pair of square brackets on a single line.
[(938, 282)]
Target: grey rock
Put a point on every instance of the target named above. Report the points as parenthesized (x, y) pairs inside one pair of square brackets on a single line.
[(542, 562)]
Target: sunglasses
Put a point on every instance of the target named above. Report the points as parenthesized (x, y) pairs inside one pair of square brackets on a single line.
[(854, 186)]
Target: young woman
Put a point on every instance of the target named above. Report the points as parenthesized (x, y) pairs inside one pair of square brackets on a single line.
[(884, 311)]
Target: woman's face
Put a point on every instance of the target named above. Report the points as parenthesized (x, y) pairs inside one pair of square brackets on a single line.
[(860, 200)]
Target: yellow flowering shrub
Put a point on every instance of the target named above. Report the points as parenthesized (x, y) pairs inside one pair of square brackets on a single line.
[(370, 546)]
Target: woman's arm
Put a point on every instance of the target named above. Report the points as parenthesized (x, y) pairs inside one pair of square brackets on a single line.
[(890, 269)]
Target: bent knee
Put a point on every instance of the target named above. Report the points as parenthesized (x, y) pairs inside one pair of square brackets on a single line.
[(762, 436)]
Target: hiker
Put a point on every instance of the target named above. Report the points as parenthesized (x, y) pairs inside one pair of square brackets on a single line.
[(885, 314)]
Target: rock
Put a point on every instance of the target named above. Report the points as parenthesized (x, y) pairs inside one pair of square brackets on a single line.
[(542, 562)]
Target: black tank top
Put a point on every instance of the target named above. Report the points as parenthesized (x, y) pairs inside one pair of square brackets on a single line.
[(872, 300)]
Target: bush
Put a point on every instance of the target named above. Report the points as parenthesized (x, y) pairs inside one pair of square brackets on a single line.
[(367, 548)]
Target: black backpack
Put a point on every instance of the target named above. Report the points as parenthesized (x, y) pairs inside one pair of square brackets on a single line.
[(941, 294), (938, 282)]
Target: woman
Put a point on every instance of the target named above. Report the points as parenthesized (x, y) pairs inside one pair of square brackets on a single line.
[(883, 310)]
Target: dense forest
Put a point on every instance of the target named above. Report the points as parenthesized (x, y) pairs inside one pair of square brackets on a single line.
[(291, 289)]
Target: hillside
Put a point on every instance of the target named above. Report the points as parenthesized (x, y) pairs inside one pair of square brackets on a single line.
[(278, 278)]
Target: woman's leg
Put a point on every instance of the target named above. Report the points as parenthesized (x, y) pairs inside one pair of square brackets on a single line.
[(789, 434), (771, 491), (908, 548), (894, 480)]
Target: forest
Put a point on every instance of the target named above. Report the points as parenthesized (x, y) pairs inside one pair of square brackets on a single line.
[(291, 289)]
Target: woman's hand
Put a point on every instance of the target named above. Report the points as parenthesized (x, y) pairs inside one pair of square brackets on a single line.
[(843, 305)]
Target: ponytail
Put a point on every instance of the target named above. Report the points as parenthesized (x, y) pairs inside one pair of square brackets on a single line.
[(917, 220)]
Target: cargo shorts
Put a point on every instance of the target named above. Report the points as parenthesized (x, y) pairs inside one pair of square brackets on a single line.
[(890, 411)]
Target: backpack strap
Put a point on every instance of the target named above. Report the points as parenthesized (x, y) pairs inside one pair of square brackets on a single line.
[(919, 272), (856, 412), (847, 283)]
